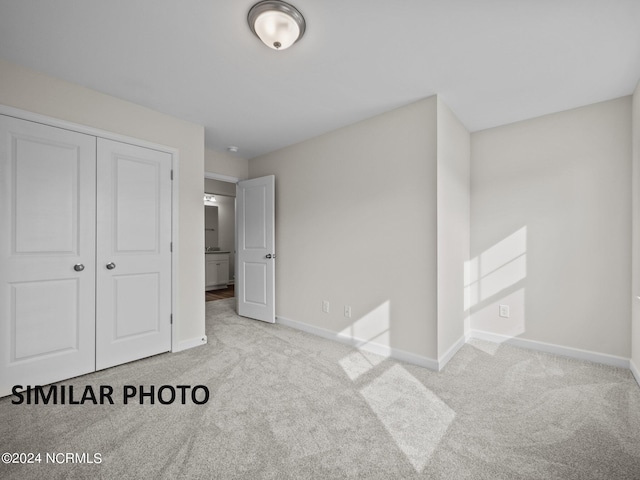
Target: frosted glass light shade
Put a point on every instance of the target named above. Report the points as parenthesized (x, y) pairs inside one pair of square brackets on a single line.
[(277, 30), (278, 24)]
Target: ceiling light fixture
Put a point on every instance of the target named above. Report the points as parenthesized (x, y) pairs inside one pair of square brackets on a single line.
[(278, 24)]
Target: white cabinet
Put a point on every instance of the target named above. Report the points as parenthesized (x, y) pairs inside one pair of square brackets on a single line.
[(216, 270)]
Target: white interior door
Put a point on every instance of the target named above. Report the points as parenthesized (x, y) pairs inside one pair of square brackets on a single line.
[(133, 272), (255, 207), (47, 253)]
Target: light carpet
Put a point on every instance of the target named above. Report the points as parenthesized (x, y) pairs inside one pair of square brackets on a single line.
[(288, 405)]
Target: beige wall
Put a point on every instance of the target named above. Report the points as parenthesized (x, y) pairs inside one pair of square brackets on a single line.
[(211, 226), (226, 164), (551, 229), (635, 293), (227, 233), (28, 90), (227, 230), (219, 187), (356, 225), (454, 152)]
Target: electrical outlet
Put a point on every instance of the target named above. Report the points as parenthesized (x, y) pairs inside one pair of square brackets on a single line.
[(347, 311), (503, 311), (325, 306)]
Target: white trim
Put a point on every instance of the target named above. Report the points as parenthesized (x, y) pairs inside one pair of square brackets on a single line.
[(175, 263), (191, 343), (361, 344), (634, 371), (577, 353), (444, 359), (76, 127), (175, 190), (222, 178)]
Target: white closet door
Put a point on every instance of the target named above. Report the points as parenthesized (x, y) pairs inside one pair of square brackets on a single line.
[(133, 272), (47, 253)]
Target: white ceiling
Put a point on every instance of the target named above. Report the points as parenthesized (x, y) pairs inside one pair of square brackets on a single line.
[(492, 61)]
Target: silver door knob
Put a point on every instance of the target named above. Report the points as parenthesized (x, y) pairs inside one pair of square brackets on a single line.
[(111, 266), (78, 267), (268, 255)]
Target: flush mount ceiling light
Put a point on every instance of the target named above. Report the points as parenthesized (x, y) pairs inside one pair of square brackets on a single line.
[(278, 24)]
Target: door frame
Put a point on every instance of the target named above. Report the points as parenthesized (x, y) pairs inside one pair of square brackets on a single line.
[(222, 178), (175, 163)]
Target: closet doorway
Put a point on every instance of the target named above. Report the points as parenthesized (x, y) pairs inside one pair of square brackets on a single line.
[(85, 251)]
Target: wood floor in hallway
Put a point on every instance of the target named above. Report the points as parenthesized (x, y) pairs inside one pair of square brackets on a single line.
[(221, 294)]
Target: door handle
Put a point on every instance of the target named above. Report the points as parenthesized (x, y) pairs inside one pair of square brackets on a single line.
[(78, 267), (111, 266), (270, 256)]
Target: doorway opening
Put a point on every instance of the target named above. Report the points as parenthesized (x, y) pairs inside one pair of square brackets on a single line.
[(220, 294), (220, 239)]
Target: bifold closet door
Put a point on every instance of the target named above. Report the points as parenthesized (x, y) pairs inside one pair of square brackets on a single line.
[(133, 266), (47, 253)]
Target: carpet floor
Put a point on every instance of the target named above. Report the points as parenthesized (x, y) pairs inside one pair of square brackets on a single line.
[(288, 405)]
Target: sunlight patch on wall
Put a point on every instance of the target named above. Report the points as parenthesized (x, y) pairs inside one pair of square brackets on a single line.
[(413, 415), (493, 278), (496, 269), (471, 287), (372, 328)]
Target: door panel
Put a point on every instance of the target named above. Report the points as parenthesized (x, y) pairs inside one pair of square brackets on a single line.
[(130, 292), (136, 198), (44, 325), (255, 291), (256, 248), (254, 206), (134, 236), (47, 226), (45, 198)]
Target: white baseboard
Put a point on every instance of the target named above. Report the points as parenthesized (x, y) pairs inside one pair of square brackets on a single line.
[(438, 365), (362, 344), (577, 353), (444, 359), (634, 371), (191, 343)]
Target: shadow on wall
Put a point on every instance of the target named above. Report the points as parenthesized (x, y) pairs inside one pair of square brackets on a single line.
[(497, 277)]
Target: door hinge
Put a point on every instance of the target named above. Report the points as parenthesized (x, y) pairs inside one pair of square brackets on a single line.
[(171, 246), (171, 319), (171, 174)]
